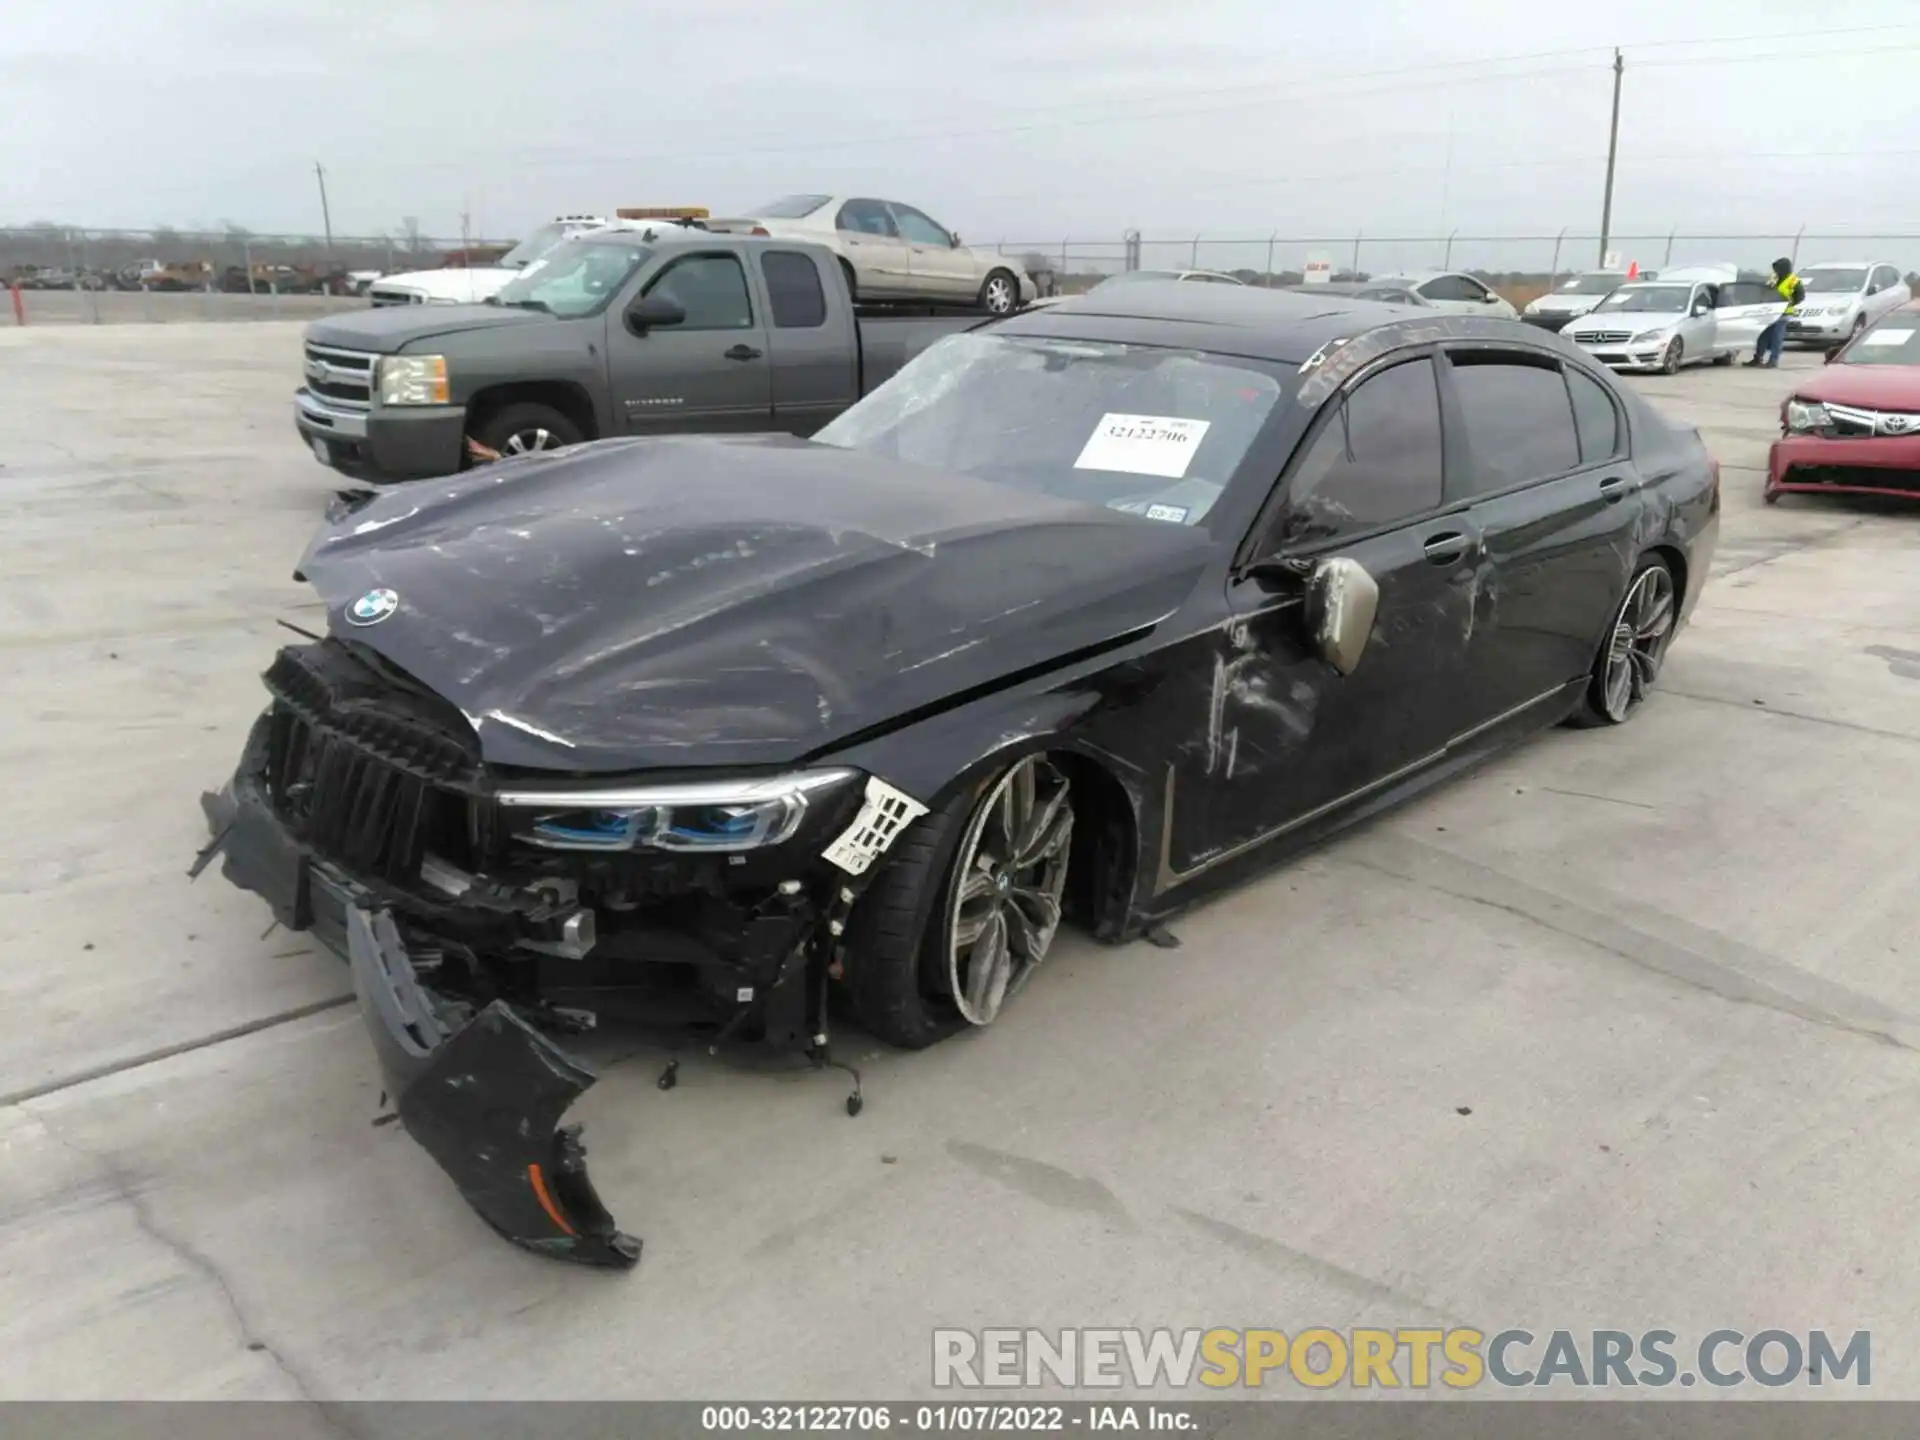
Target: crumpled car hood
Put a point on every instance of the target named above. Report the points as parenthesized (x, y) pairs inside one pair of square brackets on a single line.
[(638, 604), (1888, 387)]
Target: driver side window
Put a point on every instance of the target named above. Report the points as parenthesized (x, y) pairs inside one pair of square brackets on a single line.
[(919, 229), (1376, 459), (712, 289)]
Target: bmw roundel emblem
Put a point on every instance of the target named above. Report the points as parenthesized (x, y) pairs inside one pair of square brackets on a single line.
[(372, 607)]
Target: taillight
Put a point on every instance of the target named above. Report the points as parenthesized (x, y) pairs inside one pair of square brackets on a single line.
[(760, 230)]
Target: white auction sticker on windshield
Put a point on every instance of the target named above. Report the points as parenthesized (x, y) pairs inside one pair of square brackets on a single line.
[(1886, 337), (1160, 445)]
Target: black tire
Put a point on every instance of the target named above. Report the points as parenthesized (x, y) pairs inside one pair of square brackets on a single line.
[(1597, 707), (897, 959), (537, 427), (1000, 293), (1674, 356)]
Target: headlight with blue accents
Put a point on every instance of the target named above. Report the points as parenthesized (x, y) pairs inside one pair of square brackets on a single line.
[(698, 817)]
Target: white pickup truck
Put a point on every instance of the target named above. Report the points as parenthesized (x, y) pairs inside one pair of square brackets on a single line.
[(473, 284)]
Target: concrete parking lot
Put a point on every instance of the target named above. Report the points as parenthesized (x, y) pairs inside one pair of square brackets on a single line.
[(1619, 1031)]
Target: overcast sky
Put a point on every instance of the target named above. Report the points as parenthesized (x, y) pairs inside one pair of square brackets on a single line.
[(1024, 120)]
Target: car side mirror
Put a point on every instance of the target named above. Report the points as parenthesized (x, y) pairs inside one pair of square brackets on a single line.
[(1341, 601), (1489, 299), (651, 310), (954, 239)]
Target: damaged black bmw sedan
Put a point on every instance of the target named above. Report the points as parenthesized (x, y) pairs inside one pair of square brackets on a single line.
[(1084, 612)]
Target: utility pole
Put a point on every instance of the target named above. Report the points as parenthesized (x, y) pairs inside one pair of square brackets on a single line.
[(326, 216), (1613, 150)]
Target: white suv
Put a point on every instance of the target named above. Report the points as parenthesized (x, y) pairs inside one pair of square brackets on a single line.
[(1844, 297)]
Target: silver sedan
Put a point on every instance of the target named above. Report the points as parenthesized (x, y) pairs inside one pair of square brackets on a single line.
[(891, 251)]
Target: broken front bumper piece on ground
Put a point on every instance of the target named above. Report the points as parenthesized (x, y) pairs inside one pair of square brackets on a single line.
[(485, 1101), (471, 1075)]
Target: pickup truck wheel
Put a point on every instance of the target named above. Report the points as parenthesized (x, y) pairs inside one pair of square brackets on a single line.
[(1001, 294), (966, 908), (525, 428)]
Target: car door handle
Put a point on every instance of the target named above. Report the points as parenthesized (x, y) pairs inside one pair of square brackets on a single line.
[(742, 352), (1613, 489), (1448, 547)]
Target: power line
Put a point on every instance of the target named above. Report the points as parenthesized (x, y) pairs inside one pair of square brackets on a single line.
[(868, 141), (1266, 95)]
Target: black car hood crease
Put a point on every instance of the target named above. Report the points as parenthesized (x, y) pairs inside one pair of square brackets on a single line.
[(639, 604)]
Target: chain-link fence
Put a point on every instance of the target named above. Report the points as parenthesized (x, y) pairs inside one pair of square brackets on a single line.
[(1521, 266), (60, 274), (104, 276)]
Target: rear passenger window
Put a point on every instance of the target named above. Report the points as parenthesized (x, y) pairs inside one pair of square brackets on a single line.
[(1519, 420), (793, 287), (1377, 459), (1595, 418)]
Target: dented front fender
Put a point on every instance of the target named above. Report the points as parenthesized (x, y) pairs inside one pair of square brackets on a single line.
[(485, 1098)]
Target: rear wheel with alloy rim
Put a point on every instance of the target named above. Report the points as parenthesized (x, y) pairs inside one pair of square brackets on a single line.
[(1635, 647), (967, 908)]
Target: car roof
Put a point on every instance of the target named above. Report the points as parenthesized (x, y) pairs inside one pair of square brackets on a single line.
[(1286, 326), (1343, 287), (663, 232)]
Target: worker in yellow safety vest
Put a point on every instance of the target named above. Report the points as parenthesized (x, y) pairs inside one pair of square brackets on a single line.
[(1766, 349)]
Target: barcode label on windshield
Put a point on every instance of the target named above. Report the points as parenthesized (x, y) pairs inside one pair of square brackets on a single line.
[(1160, 445)]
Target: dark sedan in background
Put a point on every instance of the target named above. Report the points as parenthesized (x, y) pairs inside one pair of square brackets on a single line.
[(1078, 616)]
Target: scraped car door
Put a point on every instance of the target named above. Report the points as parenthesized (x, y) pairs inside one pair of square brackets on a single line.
[(1290, 738)]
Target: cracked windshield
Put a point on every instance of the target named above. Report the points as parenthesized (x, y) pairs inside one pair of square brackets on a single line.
[(1151, 432)]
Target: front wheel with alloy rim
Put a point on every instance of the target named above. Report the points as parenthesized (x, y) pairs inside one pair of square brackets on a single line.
[(1634, 648), (1001, 294), (1676, 352), (966, 909), (526, 428)]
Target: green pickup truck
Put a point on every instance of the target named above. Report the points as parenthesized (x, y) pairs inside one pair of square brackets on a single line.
[(636, 331)]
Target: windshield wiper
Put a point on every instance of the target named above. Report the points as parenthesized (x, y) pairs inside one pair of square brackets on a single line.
[(539, 305)]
